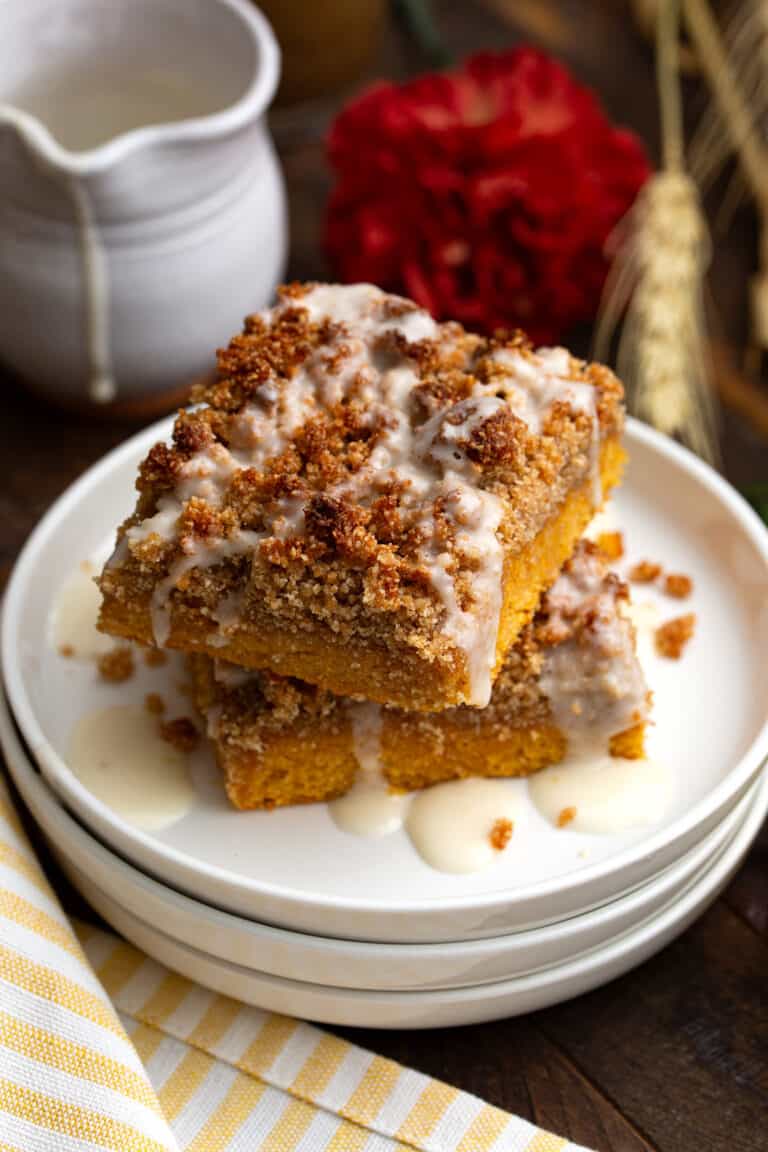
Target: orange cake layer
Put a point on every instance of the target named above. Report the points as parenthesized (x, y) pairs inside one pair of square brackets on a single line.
[(366, 500), (572, 678)]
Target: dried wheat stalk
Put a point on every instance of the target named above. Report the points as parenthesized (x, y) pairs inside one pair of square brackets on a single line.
[(737, 70), (740, 97), (661, 252)]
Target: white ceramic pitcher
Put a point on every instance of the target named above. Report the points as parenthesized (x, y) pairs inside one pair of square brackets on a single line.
[(142, 210)]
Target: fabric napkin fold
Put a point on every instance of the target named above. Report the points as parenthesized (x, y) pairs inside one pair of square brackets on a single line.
[(101, 1048)]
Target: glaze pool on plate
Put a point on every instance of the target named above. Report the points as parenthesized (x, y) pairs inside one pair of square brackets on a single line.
[(297, 868), (347, 963), (441, 1008)]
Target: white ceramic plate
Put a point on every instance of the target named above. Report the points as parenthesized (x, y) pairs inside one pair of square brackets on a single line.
[(349, 964), (448, 1007), (296, 868)]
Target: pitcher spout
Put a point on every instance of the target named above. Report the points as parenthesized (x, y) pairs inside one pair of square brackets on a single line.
[(110, 79), (141, 206)]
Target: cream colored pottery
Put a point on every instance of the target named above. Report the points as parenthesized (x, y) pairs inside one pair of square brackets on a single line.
[(142, 208)]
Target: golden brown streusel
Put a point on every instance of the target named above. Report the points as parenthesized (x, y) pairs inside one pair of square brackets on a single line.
[(501, 834), (116, 666), (672, 637), (611, 545), (678, 585), (288, 477), (182, 733), (265, 722), (645, 572), (155, 657)]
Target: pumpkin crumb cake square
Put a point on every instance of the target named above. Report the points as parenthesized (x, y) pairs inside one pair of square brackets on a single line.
[(571, 677), (365, 499)]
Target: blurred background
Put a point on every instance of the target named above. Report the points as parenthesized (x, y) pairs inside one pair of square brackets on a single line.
[(502, 190)]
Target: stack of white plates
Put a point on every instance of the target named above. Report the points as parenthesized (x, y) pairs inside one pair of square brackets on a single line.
[(287, 911)]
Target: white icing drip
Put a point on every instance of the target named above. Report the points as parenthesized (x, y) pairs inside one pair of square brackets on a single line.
[(593, 681), (351, 304), (606, 520), (441, 439), (450, 824), (644, 615), (477, 516), (74, 617), (368, 808), (198, 554), (290, 518), (607, 794), (213, 721), (206, 477), (118, 754), (227, 613), (429, 462), (162, 524), (366, 736), (548, 380), (231, 675)]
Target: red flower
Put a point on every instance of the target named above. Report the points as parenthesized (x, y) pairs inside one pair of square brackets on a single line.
[(486, 194)]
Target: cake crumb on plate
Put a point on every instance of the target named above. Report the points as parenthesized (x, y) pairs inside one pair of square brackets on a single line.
[(672, 637), (155, 657), (678, 585), (645, 572), (501, 834), (116, 666), (611, 545), (181, 733)]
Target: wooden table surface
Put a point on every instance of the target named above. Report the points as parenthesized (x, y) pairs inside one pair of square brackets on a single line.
[(673, 1056)]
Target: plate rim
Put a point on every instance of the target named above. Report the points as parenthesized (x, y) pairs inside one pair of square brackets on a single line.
[(684, 909), (28, 780), (55, 769)]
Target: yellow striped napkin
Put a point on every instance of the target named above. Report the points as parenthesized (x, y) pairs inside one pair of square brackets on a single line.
[(103, 1049)]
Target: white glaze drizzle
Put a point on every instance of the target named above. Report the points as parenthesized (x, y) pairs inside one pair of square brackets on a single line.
[(118, 754), (537, 386), (596, 688), (593, 681), (606, 520), (430, 461), (603, 794), (75, 613), (232, 675), (450, 824), (369, 808)]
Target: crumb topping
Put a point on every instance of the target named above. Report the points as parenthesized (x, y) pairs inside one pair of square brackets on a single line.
[(566, 816), (181, 733), (500, 834), (611, 545), (154, 704), (645, 572), (575, 663), (591, 676), (116, 666), (67, 651), (357, 459), (678, 586), (155, 657), (673, 636)]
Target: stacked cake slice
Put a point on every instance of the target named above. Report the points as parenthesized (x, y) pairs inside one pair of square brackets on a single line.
[(371, 506)]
